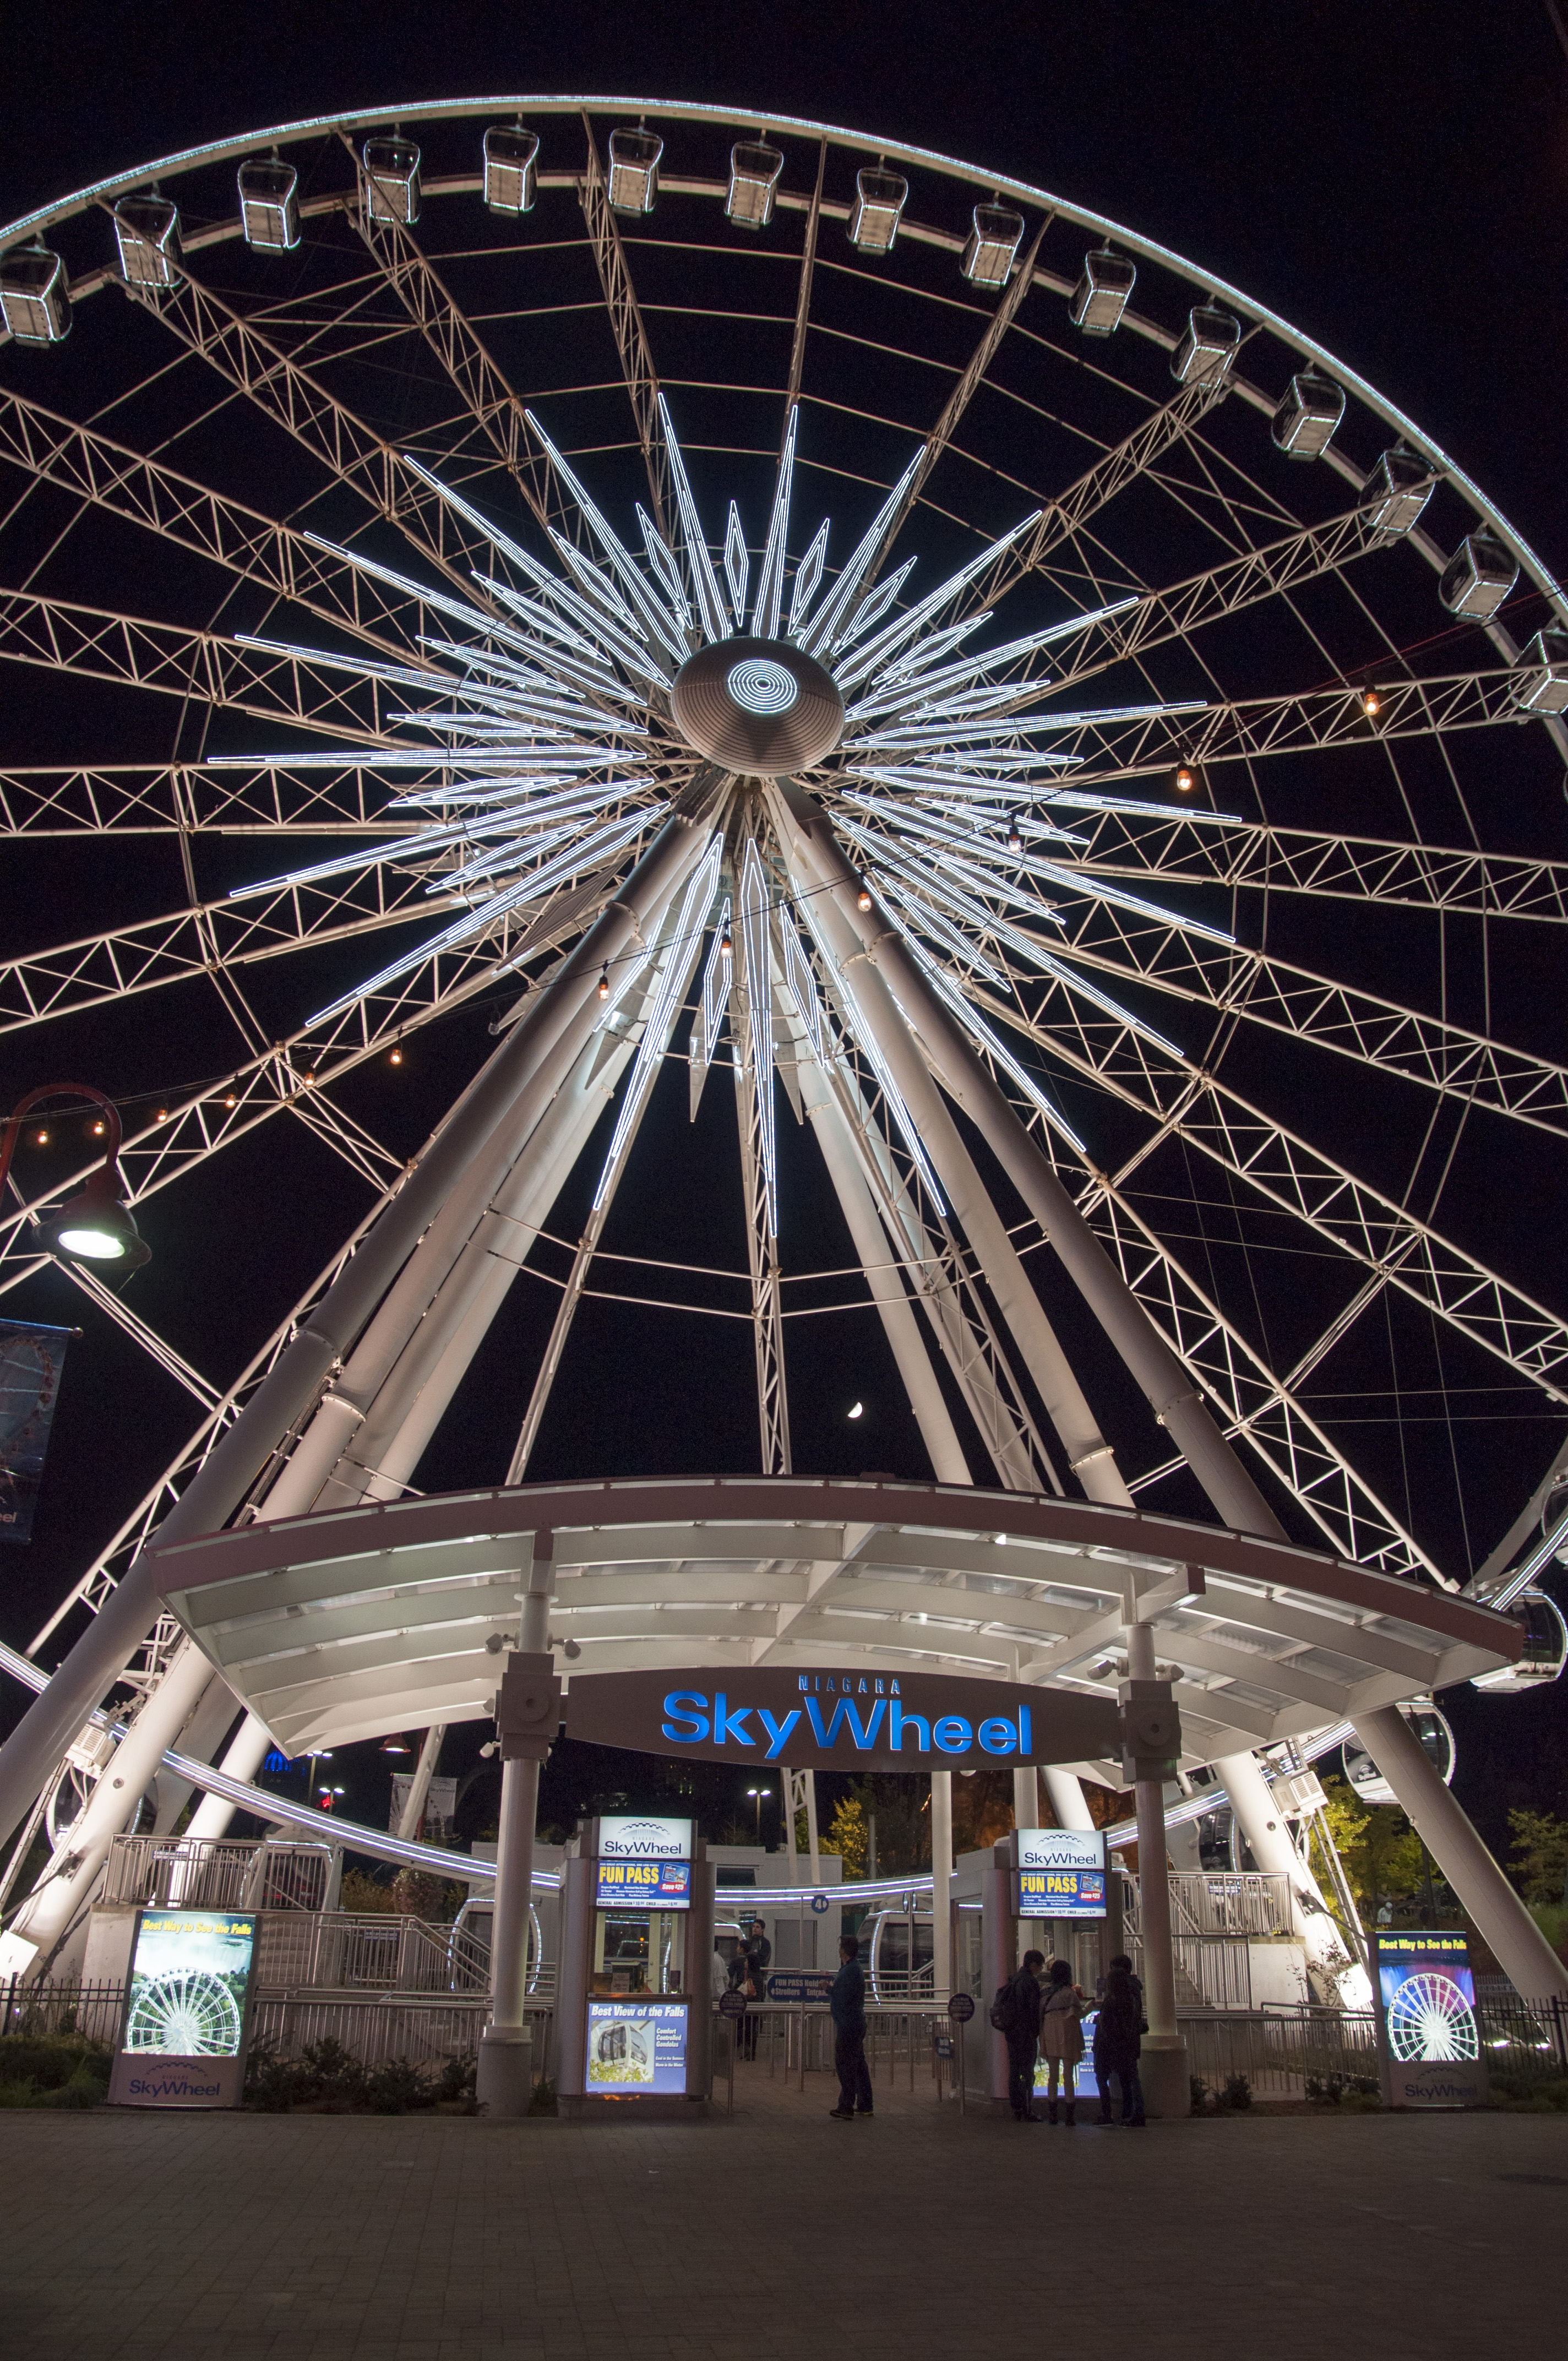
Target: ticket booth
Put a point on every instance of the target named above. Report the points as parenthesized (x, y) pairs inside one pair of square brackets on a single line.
[(634, 2007)]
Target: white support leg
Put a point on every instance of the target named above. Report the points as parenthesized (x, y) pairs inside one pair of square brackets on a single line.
[(505, 2080), (418, 1786), (248, 1751), (1521, 1951), (942, 1885), (1163, 2062), (1328, 1957), (1069, 1801), (565, 1012), (201, 1737), (125, 1779)]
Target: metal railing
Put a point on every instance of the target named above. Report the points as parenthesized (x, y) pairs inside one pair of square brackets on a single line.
[(374, 1951), (94, 2009), (425, 2031), (1253, 1903), (217, 1873), (1278, 2048)]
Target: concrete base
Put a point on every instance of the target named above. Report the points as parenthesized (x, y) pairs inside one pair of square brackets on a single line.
[(1164, 2073), (657, 2107), (504, 2084)]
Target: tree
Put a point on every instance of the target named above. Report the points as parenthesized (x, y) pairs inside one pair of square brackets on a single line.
[(1540, 1855), (1383, 1857)]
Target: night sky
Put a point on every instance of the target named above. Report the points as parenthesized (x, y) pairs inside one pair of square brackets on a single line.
[(1393, 179)]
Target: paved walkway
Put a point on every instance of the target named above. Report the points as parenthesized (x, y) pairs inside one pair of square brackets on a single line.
[(777, 2234)]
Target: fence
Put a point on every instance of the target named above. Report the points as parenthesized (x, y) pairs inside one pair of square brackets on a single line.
[(1278, 2048), (217, 1873), (378, 1950), (1253, 1903)]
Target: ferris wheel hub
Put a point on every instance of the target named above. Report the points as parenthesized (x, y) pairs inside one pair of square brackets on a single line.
[(757, 706)]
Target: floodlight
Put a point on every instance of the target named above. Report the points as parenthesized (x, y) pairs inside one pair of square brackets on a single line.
[(993, 240), (146, 230), (97, 1225), (1304, 424), (635, 171), (880, 200), (391, 181), (1101, 296), (1208, 346), (754, 170), (511, 155), (1478, 576), (268, 212), (33, 298)]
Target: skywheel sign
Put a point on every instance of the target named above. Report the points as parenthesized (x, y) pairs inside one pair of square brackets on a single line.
[(1430, 2041), (837, 1720)]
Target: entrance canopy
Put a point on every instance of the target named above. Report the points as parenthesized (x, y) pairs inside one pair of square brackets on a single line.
[(343, 1626)]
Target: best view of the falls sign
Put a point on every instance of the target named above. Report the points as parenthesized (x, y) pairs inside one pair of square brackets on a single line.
[(835, 1720)]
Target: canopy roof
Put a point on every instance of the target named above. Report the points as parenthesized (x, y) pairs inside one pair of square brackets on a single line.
[(343, 1626)]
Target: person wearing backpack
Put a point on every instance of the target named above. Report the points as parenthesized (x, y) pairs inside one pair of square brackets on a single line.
[(1016, 2014), (1061, 2038), (1117, 2040)]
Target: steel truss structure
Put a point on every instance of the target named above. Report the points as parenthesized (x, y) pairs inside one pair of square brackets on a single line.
[(1161, 954)]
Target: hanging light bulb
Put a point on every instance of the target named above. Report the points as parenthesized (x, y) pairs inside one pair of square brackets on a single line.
[(726, 948), (40, 1140), (160, 1115), (864, 898), (604, 981), (230, 1099), (1186, 778), (95, 1130), (1370, 702), (1015, 834), (396, 1055)]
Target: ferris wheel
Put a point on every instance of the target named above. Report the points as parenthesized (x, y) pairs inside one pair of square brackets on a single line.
[(937, 667)]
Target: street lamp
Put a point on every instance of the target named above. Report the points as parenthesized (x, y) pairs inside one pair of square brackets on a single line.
[(95, 1225), (758, 1793)]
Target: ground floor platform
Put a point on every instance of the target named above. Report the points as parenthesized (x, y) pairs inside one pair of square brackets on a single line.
[(775, 2232)]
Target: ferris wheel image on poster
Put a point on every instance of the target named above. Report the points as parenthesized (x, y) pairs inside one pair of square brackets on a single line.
[(1427, 2006), (186, 2009)]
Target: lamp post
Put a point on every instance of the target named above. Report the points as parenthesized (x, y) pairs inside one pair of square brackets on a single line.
[(758, 1793), (94, 1226)]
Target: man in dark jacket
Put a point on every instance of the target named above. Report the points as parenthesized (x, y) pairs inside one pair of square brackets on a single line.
[(1023, 2036), (847, 2000), (1117, 2040)]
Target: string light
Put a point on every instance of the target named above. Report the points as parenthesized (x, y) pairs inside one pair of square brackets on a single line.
[(604, 981), (1370, 702), (1186, 778), (864, 898), (40, 1139), (1015, 834), (395, 1057)]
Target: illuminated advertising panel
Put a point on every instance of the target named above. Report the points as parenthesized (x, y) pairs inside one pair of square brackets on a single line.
[(1061, 1873), (1425, 2020), (187, 2010), (636, 2047), (643, 1885)]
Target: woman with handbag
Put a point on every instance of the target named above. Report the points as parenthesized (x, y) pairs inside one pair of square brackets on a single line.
[(1061, 2038)]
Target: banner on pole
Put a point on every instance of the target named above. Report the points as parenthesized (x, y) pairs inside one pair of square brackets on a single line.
[(31, 1360), (439, 1817)]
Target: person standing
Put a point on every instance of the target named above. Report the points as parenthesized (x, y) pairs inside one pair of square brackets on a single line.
[(847, 2001), (1061, 2038), (1015, 2013), (1117, 2041)]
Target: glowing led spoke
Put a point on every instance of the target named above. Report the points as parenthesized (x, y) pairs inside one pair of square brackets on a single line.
[(1083, 881), (737, 565), (602, 592), (510, 855), (797, 982), (920, 822), (685, 946), (536, 807), (1082, 800), (976, 1025), (914, 737), (871, 609), (921, 915), (664, 566), (976, 778), (913, 663), (807, 574), (1073, 981), (609, 638), (440, 601), (710, 605), (942, 888), (490, 662), (841, 597), (877, 651), (1100, 716), (409, 849), (611, 543), (473, 922), (754, 931), (717, 979), (770, 582), (400, 676)]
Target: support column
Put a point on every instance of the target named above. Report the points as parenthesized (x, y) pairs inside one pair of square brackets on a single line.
[(941, 1885), (1027, 1798), (809, 837), (1069, 1801), (1163, 2064), (419, 1790), (1260, 1822), (248, 1751), (1521, 1951), (201, 1737), (566, 1007), (812, 1845), (124, 1780), (504, 2084)]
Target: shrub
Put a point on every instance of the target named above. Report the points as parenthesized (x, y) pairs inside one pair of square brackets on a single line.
[(49, 2061), (269, 2084), (327, 2070), (1237, 2094), (394, 2088), (1200, 2094), (542, 2102), (458, 2078)]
